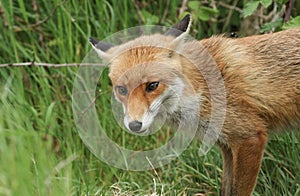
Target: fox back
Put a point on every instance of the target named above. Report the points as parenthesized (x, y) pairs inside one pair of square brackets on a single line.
[(263, 73)]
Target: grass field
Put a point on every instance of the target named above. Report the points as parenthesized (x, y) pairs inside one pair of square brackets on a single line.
[(41, 152)]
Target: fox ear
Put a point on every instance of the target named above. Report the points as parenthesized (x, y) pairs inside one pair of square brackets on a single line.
[(182, 27), (180, 31), (101, 48)]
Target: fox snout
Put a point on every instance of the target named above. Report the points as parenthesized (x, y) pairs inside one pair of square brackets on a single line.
[(147, 106), (135, 126), (141, 103)]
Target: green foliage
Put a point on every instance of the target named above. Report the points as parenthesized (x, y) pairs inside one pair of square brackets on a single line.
[(281, 2), (266, 3), (294, 22), (267, 27), (250, 7), (201, 12), (41, 152), (148, 18), (276, 23), (206, 13)]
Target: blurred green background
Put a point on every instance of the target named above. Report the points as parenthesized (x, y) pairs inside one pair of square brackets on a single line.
[(41, 152)]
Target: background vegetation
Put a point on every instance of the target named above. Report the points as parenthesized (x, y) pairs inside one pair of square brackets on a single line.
[(41, 152)]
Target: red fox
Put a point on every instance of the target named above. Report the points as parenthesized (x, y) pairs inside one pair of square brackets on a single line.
[(261, 75)]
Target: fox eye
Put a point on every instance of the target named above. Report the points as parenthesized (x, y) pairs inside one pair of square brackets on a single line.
[(122, 90), (151, 86)]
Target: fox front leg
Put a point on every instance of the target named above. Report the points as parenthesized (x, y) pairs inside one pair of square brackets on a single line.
[(227, 171), (246, 161)]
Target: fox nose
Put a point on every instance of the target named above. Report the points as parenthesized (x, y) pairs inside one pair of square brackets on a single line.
[(135, 126)]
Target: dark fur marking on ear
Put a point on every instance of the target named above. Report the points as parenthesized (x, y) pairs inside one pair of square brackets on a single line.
[(179, 28), (103, 46), (93, 41)]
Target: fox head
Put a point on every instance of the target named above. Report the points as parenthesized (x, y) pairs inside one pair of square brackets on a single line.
[(146, 75)]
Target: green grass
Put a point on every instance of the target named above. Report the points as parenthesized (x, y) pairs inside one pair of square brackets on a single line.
[(41, 152)]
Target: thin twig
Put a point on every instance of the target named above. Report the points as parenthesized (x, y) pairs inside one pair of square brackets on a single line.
[(231, 7), (229, 16), (62, 164), (48, 17), (156, 175), (35, 64), (165, 13), (274, 14), (183, 6), (138, 10), (289, 7)]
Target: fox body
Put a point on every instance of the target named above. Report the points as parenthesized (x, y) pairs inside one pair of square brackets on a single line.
[(261, 75)]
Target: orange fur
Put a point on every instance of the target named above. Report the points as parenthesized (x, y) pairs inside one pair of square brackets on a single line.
[(261, 75), (262, 79)]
